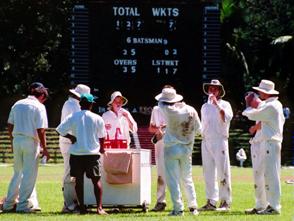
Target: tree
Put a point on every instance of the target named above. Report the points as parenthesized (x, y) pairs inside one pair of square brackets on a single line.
[(34, 46), (34, 43), (264, 21), (250, 28)]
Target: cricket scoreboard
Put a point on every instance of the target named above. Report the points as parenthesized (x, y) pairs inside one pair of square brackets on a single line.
[(139, 46)]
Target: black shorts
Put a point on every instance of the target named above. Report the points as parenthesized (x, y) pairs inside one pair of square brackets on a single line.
[(80, 164)]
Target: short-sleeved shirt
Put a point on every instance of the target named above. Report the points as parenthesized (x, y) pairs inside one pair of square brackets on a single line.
[(70, 106), (28, 115), (182, 124), (212, 124), (87, 127), (157, 117)]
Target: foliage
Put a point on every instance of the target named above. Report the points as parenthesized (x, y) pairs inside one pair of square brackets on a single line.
[(227, 9), (262, 22), (33, 43)]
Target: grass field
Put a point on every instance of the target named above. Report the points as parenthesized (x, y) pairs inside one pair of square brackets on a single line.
[(50, 198)]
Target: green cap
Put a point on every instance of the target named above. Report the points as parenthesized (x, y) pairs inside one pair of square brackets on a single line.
[(88, 98)]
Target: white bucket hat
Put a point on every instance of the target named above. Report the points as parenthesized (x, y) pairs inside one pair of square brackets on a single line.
[(80, 89), (214, 83), (267, 87), (169, 95), (117, 94)]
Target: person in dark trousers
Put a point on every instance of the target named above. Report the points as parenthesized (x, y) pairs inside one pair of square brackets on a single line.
[(70, 106), (87, 136)]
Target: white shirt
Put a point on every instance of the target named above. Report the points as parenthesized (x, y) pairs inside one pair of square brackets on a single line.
[(271, 116), (70, 106), (212, 124), (87, 127), (258, 135), (157, 117), (182, 124), (119, 121), (28, 115)]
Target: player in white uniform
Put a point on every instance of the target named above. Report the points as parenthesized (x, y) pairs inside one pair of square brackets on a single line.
[(26, 127), (118, 121), (157, 127), (70, 106), (270, 115), (257, 159), (216, 115), (182, 125)]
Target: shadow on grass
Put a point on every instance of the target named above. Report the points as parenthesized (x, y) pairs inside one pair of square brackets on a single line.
[(219, 213), (126, 212)]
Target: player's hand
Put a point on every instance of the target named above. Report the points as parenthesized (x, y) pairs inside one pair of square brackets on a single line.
[(45, 153), (72, 138), (107, 126), (124, 113), (213, 99)]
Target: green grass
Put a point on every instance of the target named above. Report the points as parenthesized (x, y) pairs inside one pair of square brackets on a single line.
[(50, 198)]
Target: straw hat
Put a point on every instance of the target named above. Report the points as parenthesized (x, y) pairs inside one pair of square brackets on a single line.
[(214, 82), (267, 87), (80, 89), (117, 94), (169, 95)]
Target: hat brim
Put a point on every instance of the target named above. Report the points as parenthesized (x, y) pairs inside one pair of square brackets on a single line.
[(75, 93), (271, 92), (125, 101), (206, 85), (177, 98)]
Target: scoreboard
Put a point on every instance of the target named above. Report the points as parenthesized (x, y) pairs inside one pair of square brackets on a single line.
[(139, 46)]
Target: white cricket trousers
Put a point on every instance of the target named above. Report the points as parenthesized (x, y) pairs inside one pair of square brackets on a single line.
[(257, 158), (161, 180), (216, 169), (26, 158), (69, 193), (178, 170), (272, 169)]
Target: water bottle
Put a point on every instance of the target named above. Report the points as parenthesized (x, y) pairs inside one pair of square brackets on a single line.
[(44, 160), (209, 101)]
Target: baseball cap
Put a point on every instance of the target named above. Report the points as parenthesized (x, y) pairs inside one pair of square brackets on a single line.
[(37, 85), (39, 88), (88, 98)]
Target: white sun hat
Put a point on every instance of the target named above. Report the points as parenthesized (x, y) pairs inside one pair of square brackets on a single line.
[(267, 87), (214, 82), (80, 89), (117, 94), (169, 95)]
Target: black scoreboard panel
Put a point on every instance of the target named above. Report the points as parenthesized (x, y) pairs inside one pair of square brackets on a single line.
[(139, 46)]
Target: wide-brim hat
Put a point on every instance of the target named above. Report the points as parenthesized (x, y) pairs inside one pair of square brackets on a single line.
[(214, 82), (267, 87), (169, 95), (80, 89), (117, 94)]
